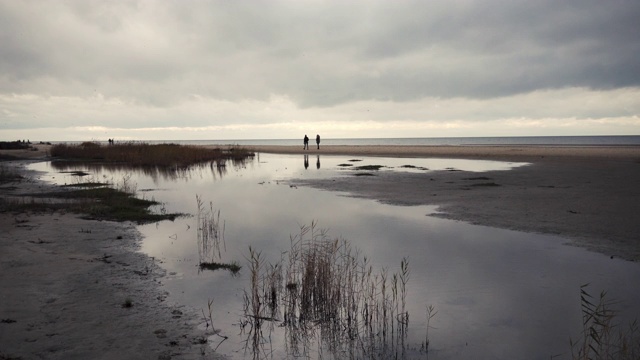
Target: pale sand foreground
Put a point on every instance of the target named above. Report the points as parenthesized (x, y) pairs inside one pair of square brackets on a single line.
[(589, 195)]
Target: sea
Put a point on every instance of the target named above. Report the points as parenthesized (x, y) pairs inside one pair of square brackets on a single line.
[(618, 140), (599, 140)]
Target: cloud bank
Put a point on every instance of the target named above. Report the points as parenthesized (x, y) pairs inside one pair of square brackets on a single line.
[(245, 69)]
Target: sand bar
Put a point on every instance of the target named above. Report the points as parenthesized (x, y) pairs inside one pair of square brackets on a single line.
[(506, 152), (588, 195)]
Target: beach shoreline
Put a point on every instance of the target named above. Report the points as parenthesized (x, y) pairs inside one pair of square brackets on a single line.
[(585, 194), (74, 288), (486, 152)]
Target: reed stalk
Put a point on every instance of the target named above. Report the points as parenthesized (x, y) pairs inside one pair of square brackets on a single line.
[(324, 290)]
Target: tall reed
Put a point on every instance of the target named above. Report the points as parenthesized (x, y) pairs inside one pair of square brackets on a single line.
[(603, 337), (210, 233), (322, 289)]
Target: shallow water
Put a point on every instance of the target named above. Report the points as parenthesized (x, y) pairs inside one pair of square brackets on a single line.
[(498, 293)]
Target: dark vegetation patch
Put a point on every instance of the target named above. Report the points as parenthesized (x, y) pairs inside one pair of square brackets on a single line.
[(15, 145), (6, 157), (369, 167), (234, 267), (102, 203), (345, 165), (76, 173), (486, 184), (355, 160), (363, 174), (452, 169), (142, 154), (414, 167), (8, 175), (84, 185), (477, 178)]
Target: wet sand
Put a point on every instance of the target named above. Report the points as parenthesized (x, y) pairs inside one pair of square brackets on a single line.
[(588, 195), (65, 281)]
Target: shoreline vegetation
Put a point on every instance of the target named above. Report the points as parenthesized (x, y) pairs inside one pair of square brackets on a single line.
[(112, 201), (142, 154), (599, 337)]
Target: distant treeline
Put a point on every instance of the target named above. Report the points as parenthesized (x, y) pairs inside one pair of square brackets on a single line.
[(17, 145)]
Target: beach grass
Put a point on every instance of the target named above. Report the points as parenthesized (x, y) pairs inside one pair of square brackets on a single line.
[(143, 154)]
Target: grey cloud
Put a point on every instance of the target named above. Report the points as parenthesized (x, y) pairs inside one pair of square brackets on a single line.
[(318, 54)]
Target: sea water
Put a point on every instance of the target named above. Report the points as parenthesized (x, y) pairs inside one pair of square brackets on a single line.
[(621, 140)]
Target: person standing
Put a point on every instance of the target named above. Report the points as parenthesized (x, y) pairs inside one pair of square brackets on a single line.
[(305, 142), (318, 141)]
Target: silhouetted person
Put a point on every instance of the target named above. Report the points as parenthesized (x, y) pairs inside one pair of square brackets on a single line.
[(306, 161), (306, 142), (318, 162), (318, 141)]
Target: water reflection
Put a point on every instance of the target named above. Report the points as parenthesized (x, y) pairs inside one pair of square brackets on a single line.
[(499, 294), (157, 173), (306, 161)]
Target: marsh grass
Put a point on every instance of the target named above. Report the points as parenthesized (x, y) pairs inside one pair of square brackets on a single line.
[(142, 154), (603, 336), (323, 292), (8, 175), (103, 201)]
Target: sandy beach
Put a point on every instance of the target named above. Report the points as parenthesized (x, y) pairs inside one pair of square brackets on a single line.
[(65, 280)]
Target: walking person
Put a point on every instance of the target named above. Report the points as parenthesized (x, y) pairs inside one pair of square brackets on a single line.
[(306, 143), (318, 141)]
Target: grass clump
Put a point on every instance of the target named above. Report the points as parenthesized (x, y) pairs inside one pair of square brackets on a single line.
[(233, 267)]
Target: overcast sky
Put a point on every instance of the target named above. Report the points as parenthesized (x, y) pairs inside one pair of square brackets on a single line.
[(149, 70)]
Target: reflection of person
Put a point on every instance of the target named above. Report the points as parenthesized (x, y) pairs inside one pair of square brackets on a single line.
[(318, 141), (318, 162), (305, 142), (306, 161)]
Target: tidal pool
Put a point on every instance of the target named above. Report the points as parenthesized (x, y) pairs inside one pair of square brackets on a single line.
[(498, 294)]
